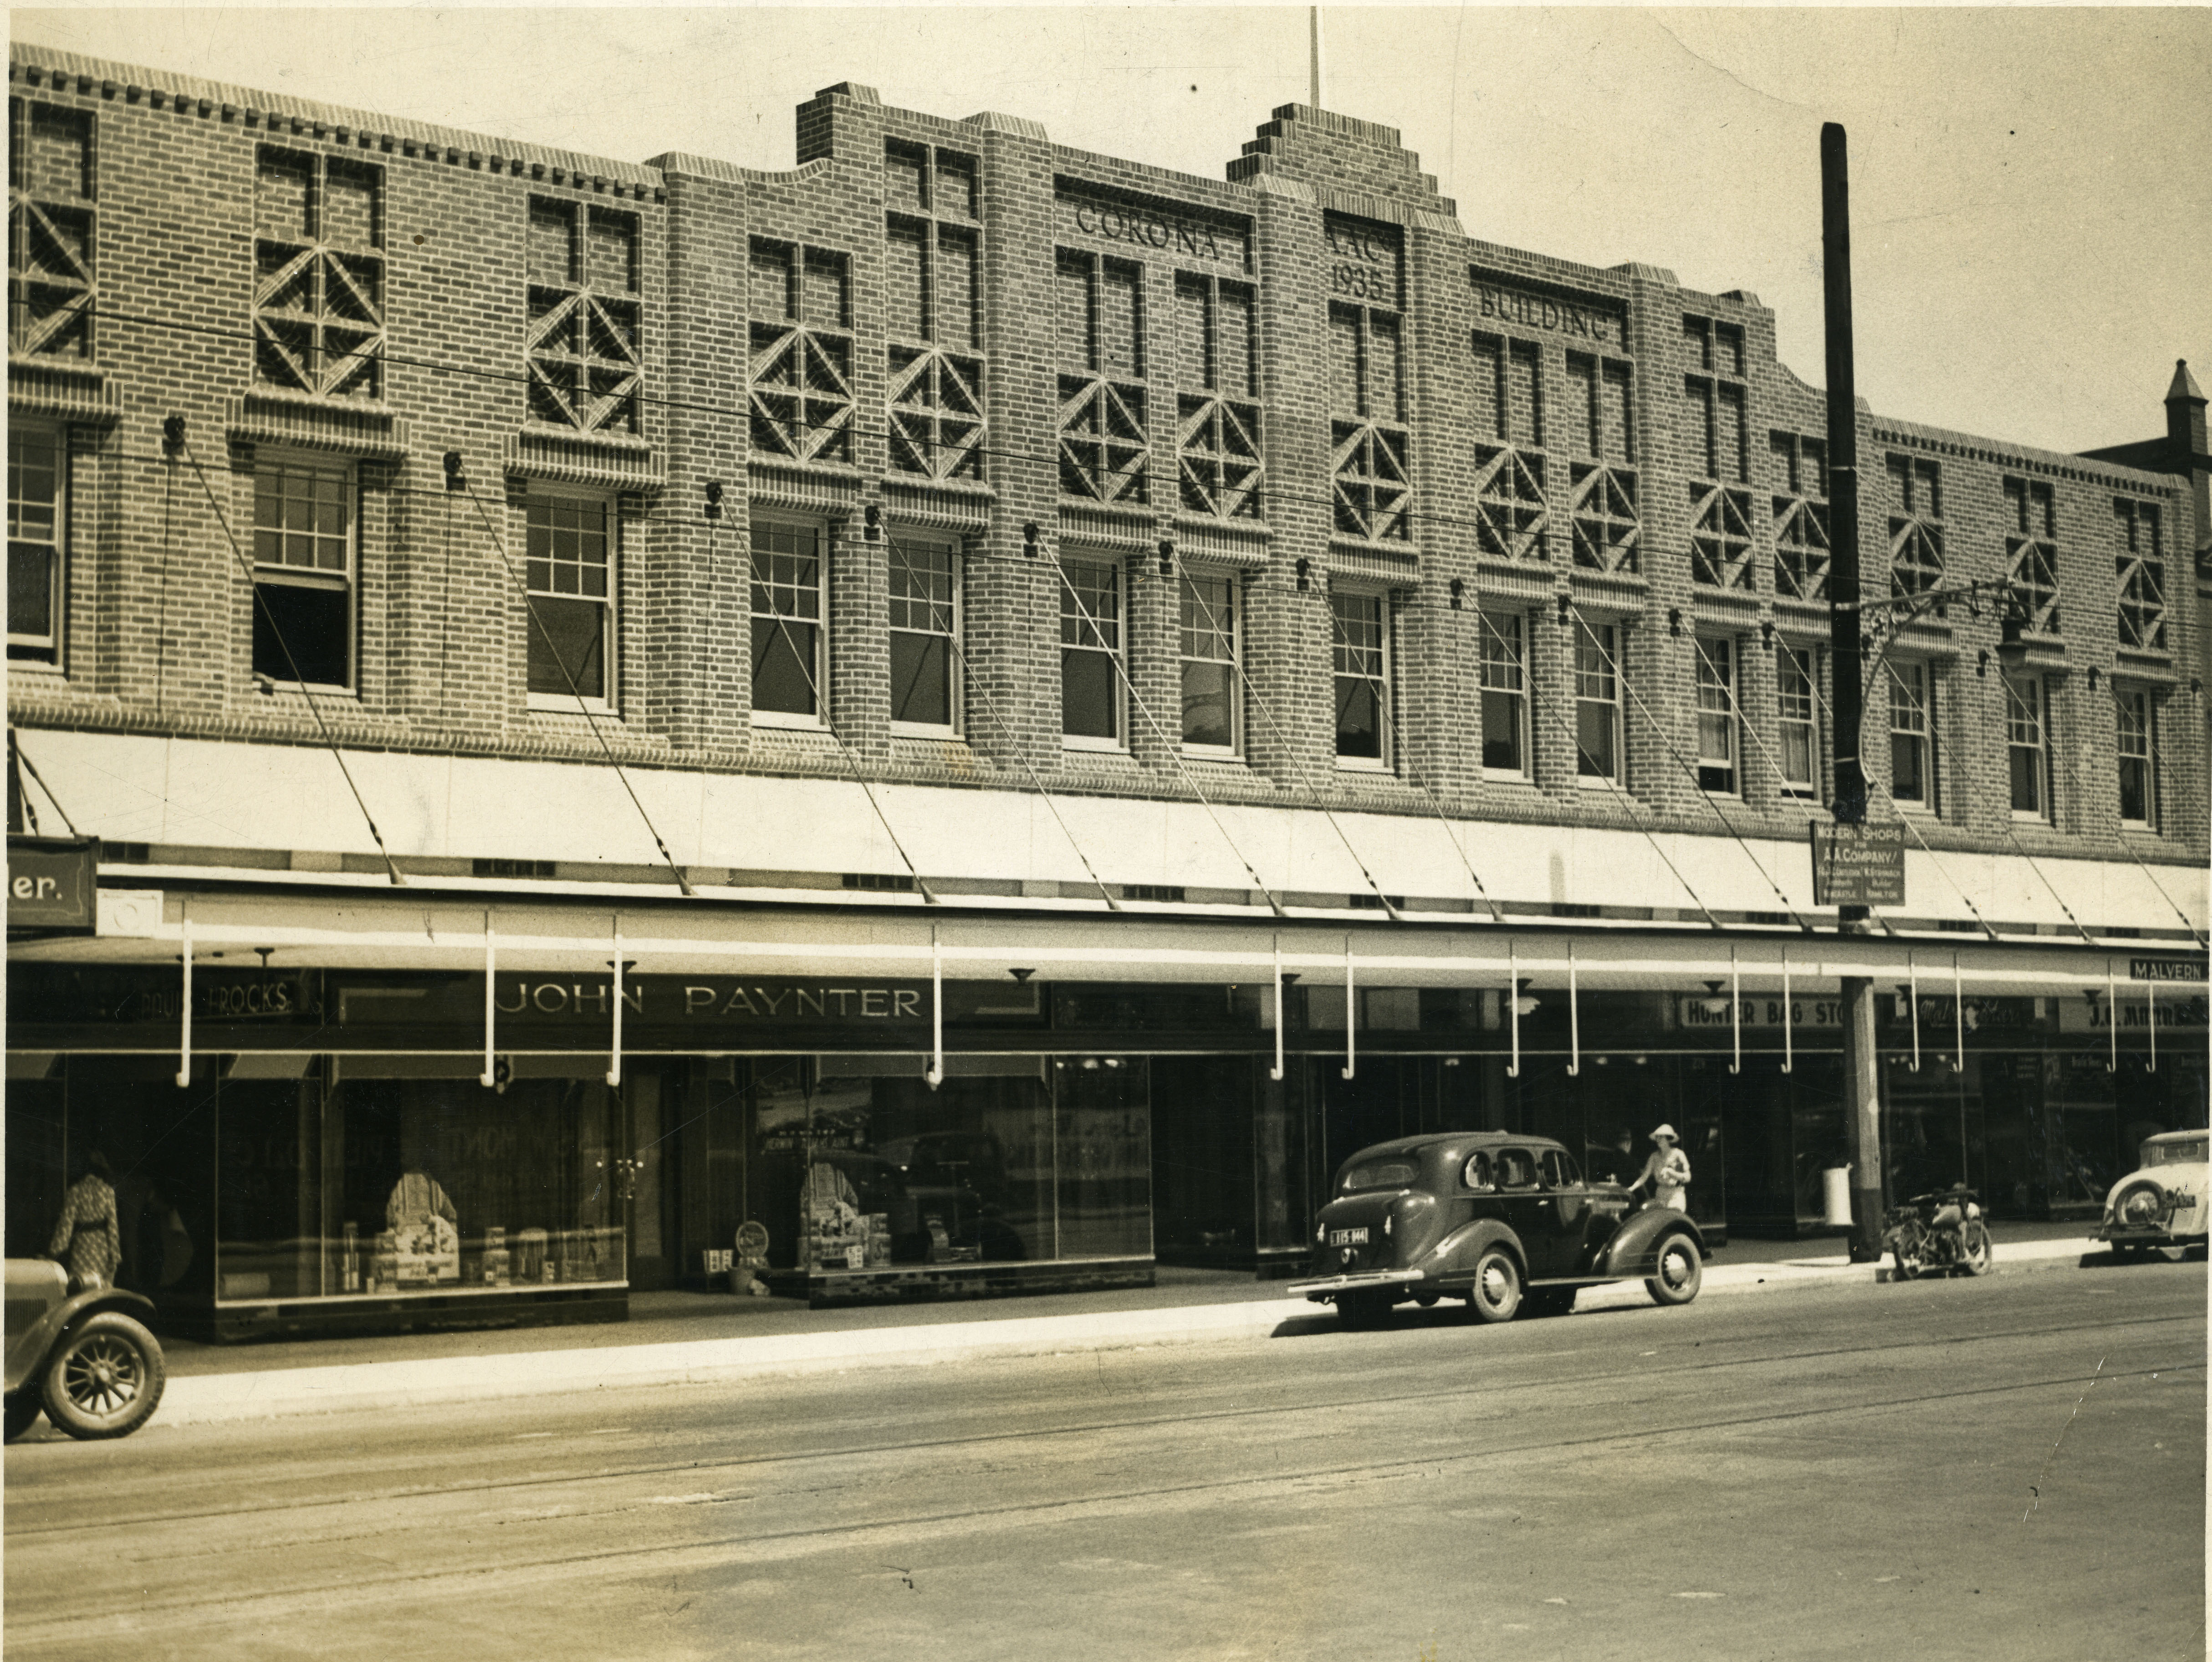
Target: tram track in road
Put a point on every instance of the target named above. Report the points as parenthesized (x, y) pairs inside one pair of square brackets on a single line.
[(326, 1597), (1645, 1373)]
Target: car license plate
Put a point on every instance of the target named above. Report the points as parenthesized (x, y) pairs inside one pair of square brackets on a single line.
[(1348, 1237)]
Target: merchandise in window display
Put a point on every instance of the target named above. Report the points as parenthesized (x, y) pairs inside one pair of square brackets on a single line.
[(425, 1234)]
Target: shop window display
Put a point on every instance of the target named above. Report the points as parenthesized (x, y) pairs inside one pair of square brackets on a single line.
[(339, 1185)]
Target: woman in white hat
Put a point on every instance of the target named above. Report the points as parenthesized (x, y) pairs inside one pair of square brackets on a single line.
[(1668, 1171)]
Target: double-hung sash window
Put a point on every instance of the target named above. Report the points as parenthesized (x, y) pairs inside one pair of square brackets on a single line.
[(1911, 737), (1716, 716), (570, 567), (1797, 694), (1362, 654), (38, 527), (1504, 695), (2028, 743), (1597, 703), (925, 630), (1091, 700), (1212, 698), (303, 572), (2137, 759), (790, 575)]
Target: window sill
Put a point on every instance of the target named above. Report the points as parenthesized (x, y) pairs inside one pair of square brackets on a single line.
[(1507, 776), (932, 735), (304, 690), (1226, 755), (1363, 765), (788, 722), (565, 704), (1095, 747)]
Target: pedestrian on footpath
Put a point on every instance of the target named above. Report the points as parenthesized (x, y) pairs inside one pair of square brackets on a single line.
[(88, 1238), (1668, 1171)]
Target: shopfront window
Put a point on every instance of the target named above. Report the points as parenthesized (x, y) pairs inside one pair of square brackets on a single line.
[(355, 1181)]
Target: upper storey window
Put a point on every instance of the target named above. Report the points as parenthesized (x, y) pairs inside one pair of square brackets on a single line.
[(1800, 516), (1100, 305), (2140, 568), (319, 274), (1367, 379), (303, 571), (1915, 524), (585, 365), (1217, 429), (933, 307), (1512, 517), (50, 230), (571, 546), (2032, 552), (801, 302), (38, 535), (1599, 422), (1719, 458)]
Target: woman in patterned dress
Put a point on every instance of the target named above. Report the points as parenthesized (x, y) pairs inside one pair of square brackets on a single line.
[(88, 1238)]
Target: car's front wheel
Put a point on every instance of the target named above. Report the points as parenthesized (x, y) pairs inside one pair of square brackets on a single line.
[(104, 1378), (1496, 1295), (22, 1412), (1681, 1272)]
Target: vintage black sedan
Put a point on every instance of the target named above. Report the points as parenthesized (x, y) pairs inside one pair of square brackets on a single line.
[(1505, 1221)]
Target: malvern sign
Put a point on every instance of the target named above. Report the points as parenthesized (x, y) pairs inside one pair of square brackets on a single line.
[(1857, 865)]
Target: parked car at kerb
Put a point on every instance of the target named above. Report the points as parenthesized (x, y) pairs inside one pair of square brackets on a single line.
[(1505, 1221), (2166, 1201), (86, 1358)]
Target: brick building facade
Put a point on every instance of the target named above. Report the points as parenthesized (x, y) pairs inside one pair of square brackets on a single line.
[(961, 553)]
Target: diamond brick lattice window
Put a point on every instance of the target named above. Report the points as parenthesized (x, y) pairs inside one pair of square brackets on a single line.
[(1512, 517), (319, 274), (1103, 457), (1373, 491), (1800, 516), (1608, 535), (2141, 567), (801, 370), (585, 367), (1719, 461), (2032, 552), (50, 290), (932, 298), (1218, 437), (1915, 525)]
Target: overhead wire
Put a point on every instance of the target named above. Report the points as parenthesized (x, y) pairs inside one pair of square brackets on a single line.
[(23, 761)]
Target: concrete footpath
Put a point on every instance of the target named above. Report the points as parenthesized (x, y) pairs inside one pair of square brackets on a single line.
[(681, 1338)]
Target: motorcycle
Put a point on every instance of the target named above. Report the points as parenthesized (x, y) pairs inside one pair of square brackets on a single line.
[(1941, 1233)]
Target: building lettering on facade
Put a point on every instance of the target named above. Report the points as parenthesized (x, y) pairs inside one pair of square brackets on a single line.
[(1183, 237), (1367, 260), (1495, 303)]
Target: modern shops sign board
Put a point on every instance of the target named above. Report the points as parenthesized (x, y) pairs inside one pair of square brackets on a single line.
[(1857, 865), (51, 884)]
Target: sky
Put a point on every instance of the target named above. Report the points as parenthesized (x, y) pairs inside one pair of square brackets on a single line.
[(2031, 205)]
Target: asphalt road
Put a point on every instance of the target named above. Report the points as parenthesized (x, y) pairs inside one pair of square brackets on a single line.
[(2010, 1468)]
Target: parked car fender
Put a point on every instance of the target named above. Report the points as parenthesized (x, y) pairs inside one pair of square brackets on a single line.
[(28, 1357), (1634, 1249), (1451, 1261)]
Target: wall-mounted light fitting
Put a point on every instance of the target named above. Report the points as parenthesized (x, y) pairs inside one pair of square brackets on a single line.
[(713, 499), (1021, 974), (1981, 662), (1675, 622), (1767, 634), (1167, 557), (871, 523), (1566, 609), (1458, 589), (172, 434), (455, 478), (1305, 575), (2092, 677), (1030, 539)]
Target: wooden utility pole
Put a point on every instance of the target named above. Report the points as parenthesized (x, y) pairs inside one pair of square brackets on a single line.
[(1861, 1087)]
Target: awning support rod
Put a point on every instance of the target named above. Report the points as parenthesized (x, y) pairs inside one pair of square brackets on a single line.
[(2150, 992), (490, 1076), (1574, 1019), (2111, 1018), (1789, 1020), (936, 1074), (184, 1033), (1350, 1016), (1958, 1016), (1912, 991), (1276, 1072), (1513, 1004), (1735, 1013), (614, 1056)]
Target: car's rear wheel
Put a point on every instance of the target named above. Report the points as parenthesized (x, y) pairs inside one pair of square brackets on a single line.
[(1362, 1310), (104, 1378), (1976, 1253), (1496, 1295), (1681, 1272), (22, 1412), (1548, 1300)]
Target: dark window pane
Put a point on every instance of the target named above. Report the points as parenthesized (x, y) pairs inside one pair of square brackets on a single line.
[(1209, 693), (1501, 732), (30, 588), (1597, 757), (1086, 695), (783, 666), (1358, 717), (313, 623), (570, 633), (1906, 782), (2135, 790), (922, 678)]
